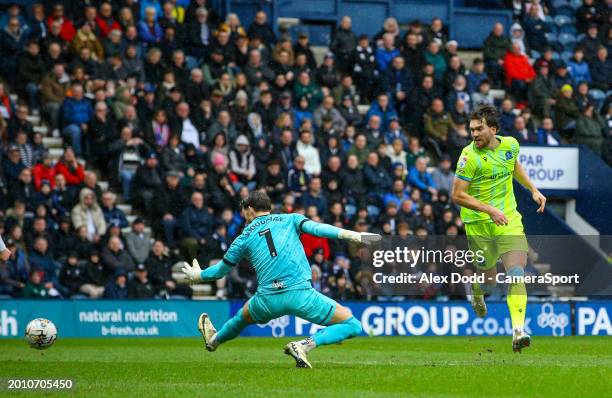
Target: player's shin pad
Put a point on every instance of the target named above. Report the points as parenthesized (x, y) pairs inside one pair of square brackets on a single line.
[(517, 298)]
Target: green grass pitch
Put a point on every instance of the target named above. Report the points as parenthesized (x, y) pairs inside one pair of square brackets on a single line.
[(362, 367)]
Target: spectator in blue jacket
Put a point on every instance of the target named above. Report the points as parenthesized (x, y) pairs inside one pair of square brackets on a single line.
[(112, 214), (196, 225), (376, 178), (385, 54), (546, 134), (382, 108), (399, 81), (476, 75), (506, 116), (149, 30), (154, 4), (12, 42), (76, 114), (40, 257), (398, 194), (315, 197), (117, 289), (420, 178), (578, 68)]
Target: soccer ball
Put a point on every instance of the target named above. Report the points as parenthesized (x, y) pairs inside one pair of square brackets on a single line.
[(40, 333)]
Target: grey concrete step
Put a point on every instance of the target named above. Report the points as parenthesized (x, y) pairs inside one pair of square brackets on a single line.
[(55, 153), (202, 290), (52, 142), (104, 185), (127, 209), (35, 120), (44, 130)]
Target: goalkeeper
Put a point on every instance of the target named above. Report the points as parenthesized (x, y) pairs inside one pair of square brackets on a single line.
[(271, 242)]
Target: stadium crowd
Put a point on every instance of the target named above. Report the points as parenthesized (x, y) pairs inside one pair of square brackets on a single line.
[(184, 113)]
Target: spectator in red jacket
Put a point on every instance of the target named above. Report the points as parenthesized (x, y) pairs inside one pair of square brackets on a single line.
[(312, 243), (519, 73), (67, 31), (105, 21), (44, 170), (69, 167)]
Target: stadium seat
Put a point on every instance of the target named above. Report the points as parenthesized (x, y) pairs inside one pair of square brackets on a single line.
[(568, 29), (535, 54), (580, 37), (567, 40), (566, 56), (566, 10), (551, 37), (559, 3), (598, 96), (575, 4), (561, 20), (556, 56)]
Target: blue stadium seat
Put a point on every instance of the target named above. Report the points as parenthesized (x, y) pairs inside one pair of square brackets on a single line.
[(566, 10), (535, 54), (568, 29), (575, 4), (561, 20), (608, 93), (566, 56), (556, 56), (580, 37), (567, 40), (553, 41), (559, 3), (597, 95)]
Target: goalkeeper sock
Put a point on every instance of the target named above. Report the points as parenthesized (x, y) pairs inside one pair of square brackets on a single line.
[(517, 298), (307, 344), (337, 332), (232, 328)]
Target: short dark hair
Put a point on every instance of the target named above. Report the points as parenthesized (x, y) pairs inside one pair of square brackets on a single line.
[(488, 113), (258, 200)]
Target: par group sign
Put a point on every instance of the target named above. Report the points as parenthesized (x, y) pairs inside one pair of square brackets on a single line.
[(551, 167)]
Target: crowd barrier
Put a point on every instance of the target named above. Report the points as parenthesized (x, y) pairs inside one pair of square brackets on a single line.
[(155, 318)]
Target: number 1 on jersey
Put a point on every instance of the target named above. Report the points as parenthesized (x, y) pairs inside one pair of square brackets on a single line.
[(268, 234)]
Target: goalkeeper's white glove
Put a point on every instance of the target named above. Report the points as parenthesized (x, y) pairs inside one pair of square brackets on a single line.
[(359, 237), (192, 273)]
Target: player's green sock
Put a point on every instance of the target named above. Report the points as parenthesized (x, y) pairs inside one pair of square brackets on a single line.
[(517, 298)]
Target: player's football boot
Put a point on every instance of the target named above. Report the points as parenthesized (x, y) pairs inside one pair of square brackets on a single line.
[(520, 340), (478, 304), (208, 331), (295, 350)]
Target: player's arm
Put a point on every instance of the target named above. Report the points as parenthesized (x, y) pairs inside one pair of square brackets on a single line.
[(217, 271), (461, 197), (521, 176), (329, 231)]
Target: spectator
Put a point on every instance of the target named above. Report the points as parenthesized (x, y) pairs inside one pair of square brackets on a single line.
[(365, 68), (376, 178), (547, 135), (315, 196), (243, 164), (483, 95), (31, 69), (434, 56), (578, 68), (344, 43), (138, 241), (72, 275), (438, 123), (384, 110), (12, 40), (35, 288), (590, 43), (476, 75), (196, 226), (113, 215), (495, 47), (147, 180), (588, 13), (601, 70), (543, 91), (443, 176), (386, 52), (76, 114), (149, 30), (159, 268), (87, 213), (140, 287), (261, 28), (535, 29), (420, 178), (589, 130), (117, 289), (309, 153), (521, 133), (519, 72), (52, 89), (69, 167), (566, 110)]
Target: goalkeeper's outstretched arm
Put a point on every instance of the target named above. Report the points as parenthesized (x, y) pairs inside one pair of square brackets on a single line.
[(194, 273), (331, 232)]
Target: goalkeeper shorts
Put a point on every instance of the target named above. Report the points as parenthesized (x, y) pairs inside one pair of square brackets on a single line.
[(495, 240), (307, 304)]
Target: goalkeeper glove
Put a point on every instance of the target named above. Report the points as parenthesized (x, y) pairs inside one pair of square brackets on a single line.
[(359, 237), (192, 273)]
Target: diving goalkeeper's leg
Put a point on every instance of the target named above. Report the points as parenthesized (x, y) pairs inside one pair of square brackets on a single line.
[(516, 297), (343, 325), (230, 330)]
